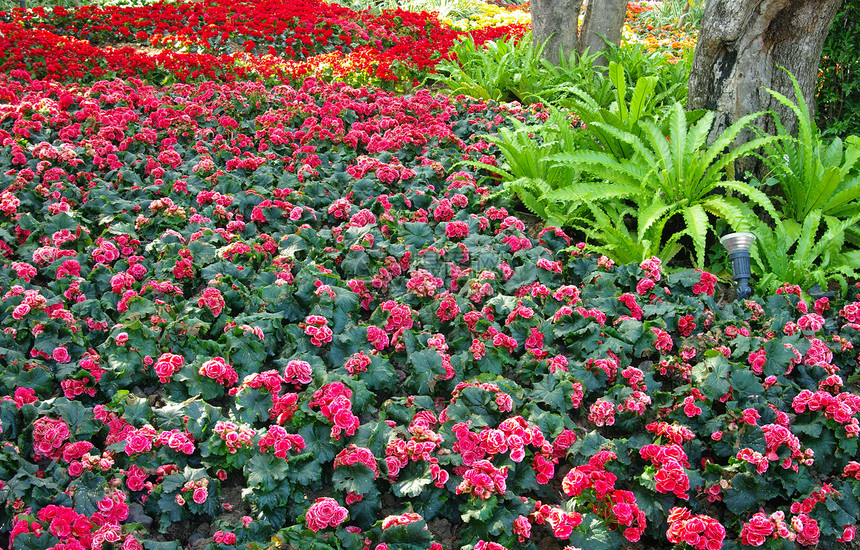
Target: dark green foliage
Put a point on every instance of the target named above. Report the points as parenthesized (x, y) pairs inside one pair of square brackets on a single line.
[(838, 101)]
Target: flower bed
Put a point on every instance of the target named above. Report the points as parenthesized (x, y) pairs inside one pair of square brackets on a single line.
[(270, 42), (300, 295)]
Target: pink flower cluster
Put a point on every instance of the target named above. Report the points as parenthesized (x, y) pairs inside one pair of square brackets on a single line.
[(177, 440), (357, 363), (213, 300), (663, 342), (277, 438), (699, 531), (482, 480), (167, 365), (423, 441), (224, 537), (219, 370), (670, 461), (802, 529), (399, 317), (777, 435), (706, 283), (560, 521), (423, 284), (675, 433), (199, 490), (842, 407), (298, 373), (325, 512), (602, 413), (67, 525), (334, 403), (316, 326), (615, 506), (235, 437), (49, 436)]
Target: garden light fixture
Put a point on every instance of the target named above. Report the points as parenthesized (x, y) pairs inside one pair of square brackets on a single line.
[(738, 246)]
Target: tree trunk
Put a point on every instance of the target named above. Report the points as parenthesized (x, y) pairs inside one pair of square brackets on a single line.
[(555, 22), (603, 18), (741, 45)]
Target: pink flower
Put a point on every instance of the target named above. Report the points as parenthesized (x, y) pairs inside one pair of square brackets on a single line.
[(167, 365), (213, 300), (200, 495), (325, 512), (522, 528), (298, 372), (224, 538), (61, 355), (664, 343), (217, 369), (686, 325)]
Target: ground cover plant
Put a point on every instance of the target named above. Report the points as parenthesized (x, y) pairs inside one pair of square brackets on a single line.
[(298, 316)]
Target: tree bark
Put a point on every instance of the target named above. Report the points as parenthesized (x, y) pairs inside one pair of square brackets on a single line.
[(555, 22), (741, 45), (603, 18)]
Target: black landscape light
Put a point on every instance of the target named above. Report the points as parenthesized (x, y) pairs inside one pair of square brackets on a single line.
[(738, 246)]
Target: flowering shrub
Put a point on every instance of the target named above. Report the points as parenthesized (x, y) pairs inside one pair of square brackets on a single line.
[(298, 294)]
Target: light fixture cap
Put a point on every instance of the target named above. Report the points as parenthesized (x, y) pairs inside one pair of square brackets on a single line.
[(738, 241)]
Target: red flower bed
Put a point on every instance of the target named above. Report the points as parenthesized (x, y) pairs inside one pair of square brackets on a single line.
[(269, 41)]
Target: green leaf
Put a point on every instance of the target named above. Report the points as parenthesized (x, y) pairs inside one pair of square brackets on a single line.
[(265, 471), (746, 492), (304, 470), (425, 366), (745, 384), (413, 486), (480, 514), (711, 376), (356, 478), (318, 442), (417, 234)]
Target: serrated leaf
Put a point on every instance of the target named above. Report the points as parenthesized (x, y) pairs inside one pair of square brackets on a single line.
[(711, 376), (481, 514), (413, 486), (356, 478)]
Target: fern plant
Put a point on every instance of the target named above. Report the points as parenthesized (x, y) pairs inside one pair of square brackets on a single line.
[(527, 168), (503, 70), (674, 175), (615, 230), (812, 174), (806, 254), (622, 114)]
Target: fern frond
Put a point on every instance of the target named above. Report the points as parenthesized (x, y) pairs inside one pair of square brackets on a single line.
[(697, 228), (807, 236), (755, 195), (593, 192)]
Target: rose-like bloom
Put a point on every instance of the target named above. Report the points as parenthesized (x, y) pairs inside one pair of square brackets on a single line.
[(848, 533), (212, 300), (217, 369), (756, 531), (224, 538), (61, 355), (686, 325), (325, 512), (167, 365), (298, 372), (200, 495)]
